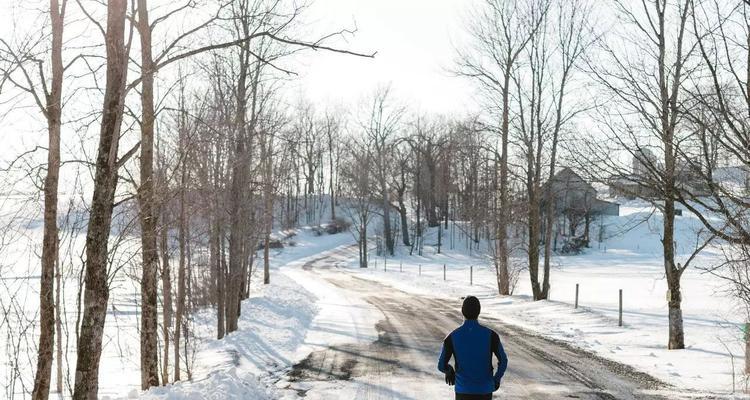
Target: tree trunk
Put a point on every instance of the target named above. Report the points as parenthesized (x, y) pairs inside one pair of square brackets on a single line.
[(332, 174), (96, 294), (550, 203), (534, 229), (503, 277), (58, 326), (251, 267), (149, 251), (219, 265), (181, 271), (440, 238), (404, 221), (431, 203), (363, 240), (166, 282), (268, 194), (221, 276), (387, 233), (359, 249), (676, 331), (236, 235), (49, 242)]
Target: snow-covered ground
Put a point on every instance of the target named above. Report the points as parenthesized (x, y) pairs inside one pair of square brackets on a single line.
[(274, 321), (631, 261), (298, 313), (280, 325)]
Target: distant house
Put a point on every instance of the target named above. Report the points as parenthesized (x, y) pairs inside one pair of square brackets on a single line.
[(574, 204), (631, 187), (640, 182), (733, 177), (572, 193)]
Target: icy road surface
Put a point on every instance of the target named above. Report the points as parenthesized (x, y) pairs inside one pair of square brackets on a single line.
[(399, 361)]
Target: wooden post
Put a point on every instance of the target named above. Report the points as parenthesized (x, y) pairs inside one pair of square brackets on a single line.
[(576, 295), (401, 266), (420, 269), (471, 276), (385, 263), (443, 271), (620, 307)]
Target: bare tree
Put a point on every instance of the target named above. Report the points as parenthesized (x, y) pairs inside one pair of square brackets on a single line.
[(149, 251), (574, 38), (356, 176), (380, 125), (499, 31), (182, 236), (23, 68), (644, 67), (542, 110), (105, 182), (331, 125), (166, 277), (400, 182), (717, 151)]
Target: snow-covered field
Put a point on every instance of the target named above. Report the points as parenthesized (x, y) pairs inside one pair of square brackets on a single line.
[(273, 325), (283, 322), (630, 261)]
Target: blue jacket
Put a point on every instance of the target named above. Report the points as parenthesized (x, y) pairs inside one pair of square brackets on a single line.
[(472, 345)]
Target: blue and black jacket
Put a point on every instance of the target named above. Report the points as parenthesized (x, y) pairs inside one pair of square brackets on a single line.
[(472, 345)]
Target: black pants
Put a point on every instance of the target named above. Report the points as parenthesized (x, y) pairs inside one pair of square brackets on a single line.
[(462, 396)]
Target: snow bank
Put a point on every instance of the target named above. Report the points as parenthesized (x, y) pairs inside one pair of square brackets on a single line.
[(230, 384), (272, 326), (280, 324)]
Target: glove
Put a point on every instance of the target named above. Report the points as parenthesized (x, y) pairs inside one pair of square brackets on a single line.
[(450, 376), (497, 385)]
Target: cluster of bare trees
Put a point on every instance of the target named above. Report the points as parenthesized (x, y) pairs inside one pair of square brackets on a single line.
[(212, 160), (671, 80), (675, 79), (666, 84), (524, 56)]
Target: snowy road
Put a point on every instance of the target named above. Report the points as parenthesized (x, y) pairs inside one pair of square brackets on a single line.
[(401, 363)]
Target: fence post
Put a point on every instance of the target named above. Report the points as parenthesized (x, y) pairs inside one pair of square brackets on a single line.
[(443, 271), (471, 276), (401, 266), (620, 307), (385, 264), (420, 269), (576, 295)]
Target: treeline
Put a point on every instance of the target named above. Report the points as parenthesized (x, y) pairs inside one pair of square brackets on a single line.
[(194, 144)]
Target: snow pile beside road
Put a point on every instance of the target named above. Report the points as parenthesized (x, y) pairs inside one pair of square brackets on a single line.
[(280, 324), (230, 384), (272, 326)]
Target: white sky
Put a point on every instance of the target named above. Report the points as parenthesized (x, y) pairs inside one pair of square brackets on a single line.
[(414, 43), (413, 40)]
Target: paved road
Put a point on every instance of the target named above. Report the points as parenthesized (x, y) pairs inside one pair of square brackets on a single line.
[(401, 364)]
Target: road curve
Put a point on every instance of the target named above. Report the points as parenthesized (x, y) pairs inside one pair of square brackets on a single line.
[(401, 364)]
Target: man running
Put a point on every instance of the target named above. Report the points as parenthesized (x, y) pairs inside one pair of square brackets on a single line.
[(472, 345)]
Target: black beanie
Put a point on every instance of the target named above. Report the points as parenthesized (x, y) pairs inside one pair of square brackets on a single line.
[(471, 308)]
